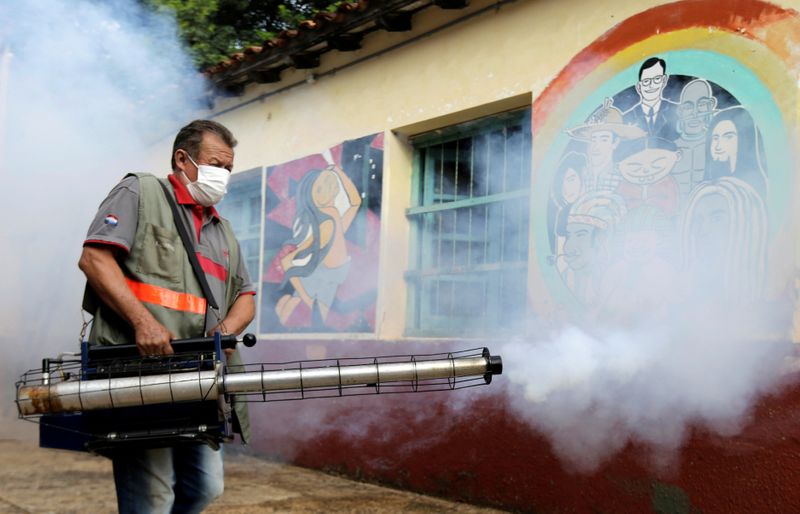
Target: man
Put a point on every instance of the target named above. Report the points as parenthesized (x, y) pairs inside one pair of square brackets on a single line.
[(602, 132), (655, 115), (146, 293), (588, 246), (697, 106)]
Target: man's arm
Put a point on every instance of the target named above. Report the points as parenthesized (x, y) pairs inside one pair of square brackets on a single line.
[(106, 278), (239, 316)]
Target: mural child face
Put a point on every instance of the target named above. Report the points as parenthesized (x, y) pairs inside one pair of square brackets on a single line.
[(601, 148), (325, 189), (648, 166), (572, 186), (580, 248), (652, 83), (725, 143)]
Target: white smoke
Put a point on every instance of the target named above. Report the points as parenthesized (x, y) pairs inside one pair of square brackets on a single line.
[(88, 88), (594, 393)]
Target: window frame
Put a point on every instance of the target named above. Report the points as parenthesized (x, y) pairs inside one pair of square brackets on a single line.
[(424, 204)]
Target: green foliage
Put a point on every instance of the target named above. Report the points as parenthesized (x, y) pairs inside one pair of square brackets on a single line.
[(213, 30)]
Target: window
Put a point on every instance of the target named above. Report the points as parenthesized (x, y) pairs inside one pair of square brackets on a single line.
[(242, 207), (469, 219)]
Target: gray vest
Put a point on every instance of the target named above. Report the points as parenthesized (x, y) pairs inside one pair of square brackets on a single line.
[(161, 276)]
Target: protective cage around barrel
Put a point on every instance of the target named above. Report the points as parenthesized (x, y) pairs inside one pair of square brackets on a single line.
[(325, 378)]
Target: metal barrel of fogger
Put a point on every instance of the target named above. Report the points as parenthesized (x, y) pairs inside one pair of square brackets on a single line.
[(76, 396)]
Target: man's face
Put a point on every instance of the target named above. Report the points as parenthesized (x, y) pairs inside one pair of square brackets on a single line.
[(648, 166), (213, 152), (601, 147), (652, 83), (580, 250), (695, 110), (724, 142)]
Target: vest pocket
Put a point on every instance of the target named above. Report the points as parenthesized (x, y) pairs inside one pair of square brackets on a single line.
[(160, 253)]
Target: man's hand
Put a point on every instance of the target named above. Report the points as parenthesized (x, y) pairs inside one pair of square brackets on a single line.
[(239, 316), (222, 332), (153, 338)]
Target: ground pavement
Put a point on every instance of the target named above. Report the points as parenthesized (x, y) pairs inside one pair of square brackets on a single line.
[(33, 480)]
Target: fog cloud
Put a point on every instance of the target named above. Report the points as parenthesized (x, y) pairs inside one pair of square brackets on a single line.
[(87, 89)]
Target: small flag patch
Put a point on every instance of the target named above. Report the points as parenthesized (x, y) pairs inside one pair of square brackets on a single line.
[(111, 220)]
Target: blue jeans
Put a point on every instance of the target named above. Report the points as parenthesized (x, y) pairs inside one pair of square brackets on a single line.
[(179, 480)]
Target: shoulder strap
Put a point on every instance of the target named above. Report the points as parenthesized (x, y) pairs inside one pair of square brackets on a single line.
[(187, 243)]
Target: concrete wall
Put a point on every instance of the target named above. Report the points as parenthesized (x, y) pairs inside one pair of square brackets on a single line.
[(571, 62)]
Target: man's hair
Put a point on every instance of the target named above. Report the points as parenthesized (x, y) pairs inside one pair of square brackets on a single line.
[(649, 63), (190, 137)]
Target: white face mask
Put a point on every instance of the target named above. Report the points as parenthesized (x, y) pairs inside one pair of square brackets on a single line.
[(211, 184)]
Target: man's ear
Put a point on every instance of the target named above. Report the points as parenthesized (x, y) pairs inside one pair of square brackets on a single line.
[(181, 159), (638, 87)]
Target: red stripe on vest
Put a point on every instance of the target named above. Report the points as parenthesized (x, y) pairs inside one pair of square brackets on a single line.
[(212, 268)]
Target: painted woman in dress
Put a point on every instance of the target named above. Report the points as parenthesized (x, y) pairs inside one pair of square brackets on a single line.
[(327, 202)]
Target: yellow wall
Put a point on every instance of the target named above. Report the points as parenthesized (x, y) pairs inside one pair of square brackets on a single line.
[(497, 60)]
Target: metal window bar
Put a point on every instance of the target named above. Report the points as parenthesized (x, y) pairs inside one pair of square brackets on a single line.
[(497, 193)]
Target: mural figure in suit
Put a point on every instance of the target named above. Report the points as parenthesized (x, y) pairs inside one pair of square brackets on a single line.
[(655, 115)]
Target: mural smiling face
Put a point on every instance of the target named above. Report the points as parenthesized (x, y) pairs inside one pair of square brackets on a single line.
[(646, 161), (325, 189), (652, 82)]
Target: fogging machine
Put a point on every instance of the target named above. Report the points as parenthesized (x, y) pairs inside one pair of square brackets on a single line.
[(109, 398)]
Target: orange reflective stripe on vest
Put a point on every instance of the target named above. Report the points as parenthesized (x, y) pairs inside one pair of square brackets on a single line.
[(167, 298)]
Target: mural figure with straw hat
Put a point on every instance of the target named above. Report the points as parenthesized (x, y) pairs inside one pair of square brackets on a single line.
[(602, 133)]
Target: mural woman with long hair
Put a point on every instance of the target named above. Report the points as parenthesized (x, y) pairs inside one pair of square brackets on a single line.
[(725, 240), (327, 202), (734, 149)]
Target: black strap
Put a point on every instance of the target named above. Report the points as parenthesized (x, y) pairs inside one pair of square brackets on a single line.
[(187, 243)]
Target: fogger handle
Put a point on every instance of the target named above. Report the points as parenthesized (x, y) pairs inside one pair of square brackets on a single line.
[(192, 344)]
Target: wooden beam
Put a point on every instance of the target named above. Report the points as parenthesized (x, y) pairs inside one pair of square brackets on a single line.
[(395, 22), (451, 4), (346, 42), (305, 61), (268, 76)]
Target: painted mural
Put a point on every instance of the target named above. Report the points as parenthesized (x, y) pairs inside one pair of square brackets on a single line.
[(660, 187), (321, 240)]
